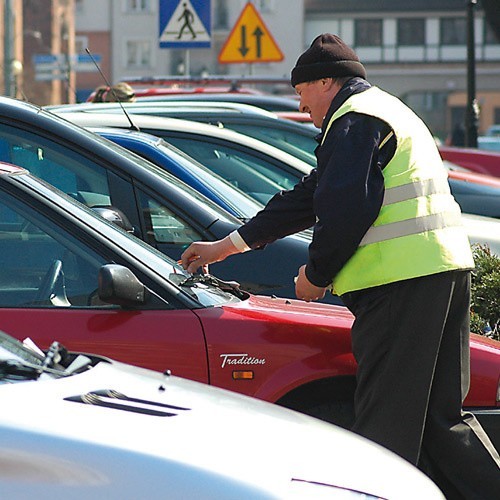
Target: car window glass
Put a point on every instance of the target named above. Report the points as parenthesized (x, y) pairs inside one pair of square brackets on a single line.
[(63, 168), (172, 234), (163, 225), (253, 175), (42, 265), (241, 204), (298, 145)]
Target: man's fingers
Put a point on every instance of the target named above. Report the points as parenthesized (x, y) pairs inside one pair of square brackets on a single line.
[(189, 256), (194, 265)]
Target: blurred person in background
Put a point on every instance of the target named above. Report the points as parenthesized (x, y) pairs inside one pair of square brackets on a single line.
[(120, 92)]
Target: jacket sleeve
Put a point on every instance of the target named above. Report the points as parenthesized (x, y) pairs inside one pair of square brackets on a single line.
[(349, 193), (287, 212)]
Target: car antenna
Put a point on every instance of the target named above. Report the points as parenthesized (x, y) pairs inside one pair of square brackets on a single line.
[(112, 90)]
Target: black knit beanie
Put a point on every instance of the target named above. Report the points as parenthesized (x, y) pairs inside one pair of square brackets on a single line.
[(327, 57)]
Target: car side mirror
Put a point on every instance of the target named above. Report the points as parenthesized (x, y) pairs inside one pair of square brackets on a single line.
[(114, 215), (118, 285)]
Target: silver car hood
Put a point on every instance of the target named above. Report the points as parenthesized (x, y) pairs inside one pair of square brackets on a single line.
[(160, 436)]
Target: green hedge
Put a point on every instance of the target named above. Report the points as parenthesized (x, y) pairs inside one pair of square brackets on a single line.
[(485, 293)]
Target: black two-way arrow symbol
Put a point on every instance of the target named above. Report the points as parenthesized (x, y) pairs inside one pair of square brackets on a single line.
[(258, 34), (243, 47)]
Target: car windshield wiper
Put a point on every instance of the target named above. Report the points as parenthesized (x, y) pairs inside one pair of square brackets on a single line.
[(24, 370), (207, 279), (21, 369)]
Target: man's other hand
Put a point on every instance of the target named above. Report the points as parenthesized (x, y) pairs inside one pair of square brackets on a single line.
[(305, 290)]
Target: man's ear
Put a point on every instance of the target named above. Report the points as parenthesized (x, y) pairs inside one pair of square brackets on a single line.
[(327, 84)]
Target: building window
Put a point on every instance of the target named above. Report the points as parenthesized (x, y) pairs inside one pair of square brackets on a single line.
[(138, 6), (411, 31), (453, 31), (81, 43), (368, 32), (496, 115), (221, 18), (490, 37), (264, 5), (139, 54)]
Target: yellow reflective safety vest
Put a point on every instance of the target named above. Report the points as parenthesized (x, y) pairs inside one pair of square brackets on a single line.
[(419, 230)]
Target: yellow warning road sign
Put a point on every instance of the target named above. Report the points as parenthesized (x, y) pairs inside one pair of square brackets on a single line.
[(250, 41)]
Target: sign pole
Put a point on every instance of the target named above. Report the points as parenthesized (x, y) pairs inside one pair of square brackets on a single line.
[(7, 47), (187, 63), (472, 110)]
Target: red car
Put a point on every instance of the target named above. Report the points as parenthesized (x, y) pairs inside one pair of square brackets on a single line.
[(69, 275), (160, 91), (477, 160), (296, 116), (171, 85)]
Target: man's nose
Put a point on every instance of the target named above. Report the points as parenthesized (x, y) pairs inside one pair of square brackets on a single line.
[(303, 108)]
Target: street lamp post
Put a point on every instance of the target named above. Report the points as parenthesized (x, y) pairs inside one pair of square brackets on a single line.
[(472, 110), (8, 49)]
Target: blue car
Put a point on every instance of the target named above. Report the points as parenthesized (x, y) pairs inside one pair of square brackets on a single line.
[(185, 168)]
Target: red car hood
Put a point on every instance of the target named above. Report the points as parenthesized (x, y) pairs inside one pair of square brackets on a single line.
[(259, 305)]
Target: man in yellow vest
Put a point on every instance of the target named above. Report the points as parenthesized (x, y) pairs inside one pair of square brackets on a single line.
[(387, 237)]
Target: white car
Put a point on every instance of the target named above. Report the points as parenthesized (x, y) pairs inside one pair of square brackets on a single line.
[(80, 426), (174, 106)]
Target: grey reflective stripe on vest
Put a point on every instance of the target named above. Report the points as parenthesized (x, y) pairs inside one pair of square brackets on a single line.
[(407, 227), (414, 190)]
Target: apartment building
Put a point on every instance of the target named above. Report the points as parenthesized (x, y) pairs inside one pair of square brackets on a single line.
[(418, 51)]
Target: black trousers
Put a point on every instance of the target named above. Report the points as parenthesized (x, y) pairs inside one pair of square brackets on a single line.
[(411, 342)]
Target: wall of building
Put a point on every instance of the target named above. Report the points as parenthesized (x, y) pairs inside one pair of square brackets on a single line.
[(93, 15), (423, 74)]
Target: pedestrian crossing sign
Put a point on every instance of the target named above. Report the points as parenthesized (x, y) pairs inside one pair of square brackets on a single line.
[(250, 41), (185, 24)]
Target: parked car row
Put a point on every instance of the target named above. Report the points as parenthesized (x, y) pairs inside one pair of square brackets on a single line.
[(234, 157), (261, 170), (287, 135), (105, 291), (70, 273)]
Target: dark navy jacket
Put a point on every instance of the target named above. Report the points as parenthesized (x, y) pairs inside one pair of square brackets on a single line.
[(340, 199)]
